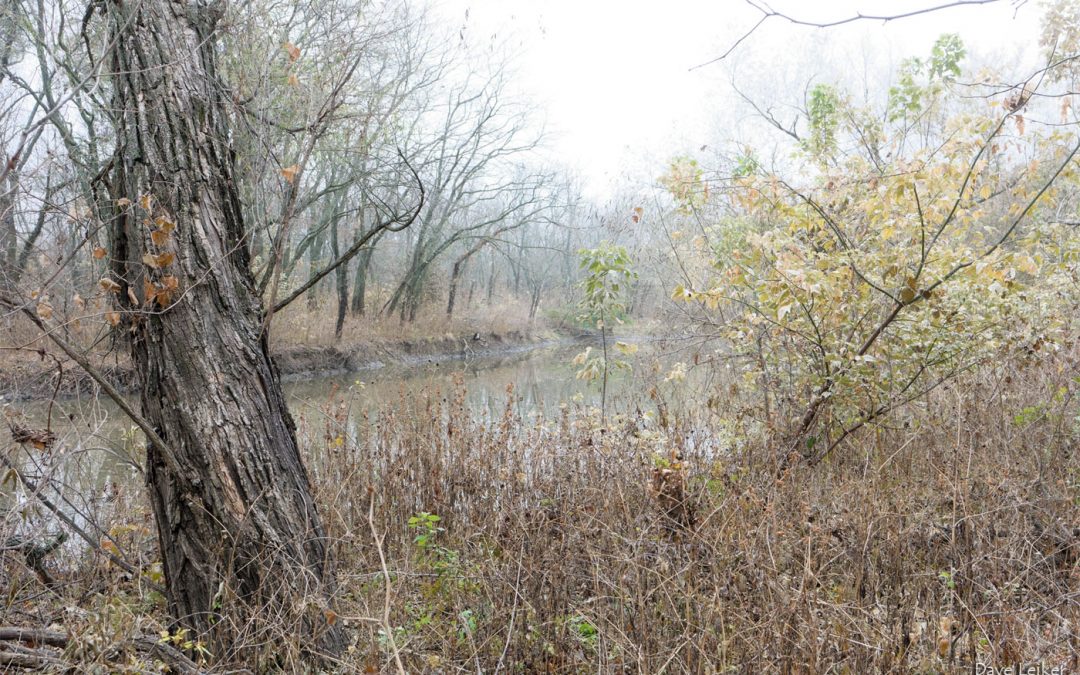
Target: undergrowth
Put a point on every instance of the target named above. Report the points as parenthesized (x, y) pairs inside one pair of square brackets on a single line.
[(662, 543)]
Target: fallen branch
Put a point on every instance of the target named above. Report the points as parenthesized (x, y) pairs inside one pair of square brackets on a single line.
[(28, 659), (39, 658), (36, 552)]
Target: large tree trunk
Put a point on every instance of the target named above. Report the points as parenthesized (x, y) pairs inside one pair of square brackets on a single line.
[(9, 240), (360, 282), (452, 294), (491, 282), (245, 555), (341, 280), (315, 257)]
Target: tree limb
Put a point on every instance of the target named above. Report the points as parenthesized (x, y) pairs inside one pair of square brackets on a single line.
[(767, 13), (393, 225), (112, 392)]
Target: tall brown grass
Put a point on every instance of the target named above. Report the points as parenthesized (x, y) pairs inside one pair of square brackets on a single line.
[(946, 537)]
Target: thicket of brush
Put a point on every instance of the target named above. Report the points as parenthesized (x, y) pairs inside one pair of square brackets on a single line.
[(947, 536)]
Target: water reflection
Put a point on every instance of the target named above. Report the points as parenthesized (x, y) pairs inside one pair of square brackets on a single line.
[(98, 453), (97, 446)]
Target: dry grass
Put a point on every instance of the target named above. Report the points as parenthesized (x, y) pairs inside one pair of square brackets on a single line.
[(947, 539), (920, 549), (300, 325)]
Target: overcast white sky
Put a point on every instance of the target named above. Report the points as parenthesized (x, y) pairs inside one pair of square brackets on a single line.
[(613, 78)]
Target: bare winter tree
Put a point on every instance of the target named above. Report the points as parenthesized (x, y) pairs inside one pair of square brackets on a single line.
[(474, 179)]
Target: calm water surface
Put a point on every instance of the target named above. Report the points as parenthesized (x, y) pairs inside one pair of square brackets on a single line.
[(97, 444), (99, 451)]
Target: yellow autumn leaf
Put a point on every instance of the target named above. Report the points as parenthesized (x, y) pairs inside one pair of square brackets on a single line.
[(163, 292), (626, 348), (165, 224), (1026, 264), (157, 261)]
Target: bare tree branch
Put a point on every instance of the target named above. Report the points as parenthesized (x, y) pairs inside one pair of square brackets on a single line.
[(768, 13), (395, 224)]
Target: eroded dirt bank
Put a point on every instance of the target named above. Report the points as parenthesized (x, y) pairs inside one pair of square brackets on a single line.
[(45, 377)]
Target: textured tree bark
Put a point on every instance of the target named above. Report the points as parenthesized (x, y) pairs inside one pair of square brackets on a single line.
[(245, 556)]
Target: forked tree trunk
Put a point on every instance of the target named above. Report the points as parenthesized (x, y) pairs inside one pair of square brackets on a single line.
[(245, 556), (455, 275), (534, 303)]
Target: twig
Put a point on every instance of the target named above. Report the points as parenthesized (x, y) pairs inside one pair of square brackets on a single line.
[(144, 425), (378, 539), (513, 612), (767, 14), (395, 224), (83, 534)]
